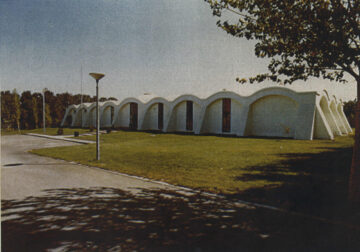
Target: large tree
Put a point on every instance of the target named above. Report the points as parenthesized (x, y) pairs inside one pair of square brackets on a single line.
[(302, 38)]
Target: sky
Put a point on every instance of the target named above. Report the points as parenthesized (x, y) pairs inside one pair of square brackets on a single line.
[(163, 47)]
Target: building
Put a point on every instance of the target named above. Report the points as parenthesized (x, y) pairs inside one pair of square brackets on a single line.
[(269, 112)]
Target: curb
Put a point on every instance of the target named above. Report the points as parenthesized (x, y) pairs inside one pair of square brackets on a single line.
[(61, 138)]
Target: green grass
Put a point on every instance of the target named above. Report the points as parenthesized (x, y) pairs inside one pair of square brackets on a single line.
[(49, 131), (206, 162)]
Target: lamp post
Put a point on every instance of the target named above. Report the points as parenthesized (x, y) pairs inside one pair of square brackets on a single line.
[(44, 90), (97, 77)]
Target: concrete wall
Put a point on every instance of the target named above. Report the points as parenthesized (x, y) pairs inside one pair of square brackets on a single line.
[(80, 117), (92, 117), (272, 116), (270, 112), (337, 118), (324, 106), (105, 119), (69, 117), (151, 118), (322, 129), (123, 117), (177, 120)]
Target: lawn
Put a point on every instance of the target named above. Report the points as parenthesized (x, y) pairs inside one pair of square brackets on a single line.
[(49, 131), (296, 174)]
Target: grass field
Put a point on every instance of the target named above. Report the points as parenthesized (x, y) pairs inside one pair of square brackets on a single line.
[(299, 175), (49, 131)]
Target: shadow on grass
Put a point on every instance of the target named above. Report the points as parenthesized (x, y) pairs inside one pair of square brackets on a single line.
[(108, 219), (315, 184)]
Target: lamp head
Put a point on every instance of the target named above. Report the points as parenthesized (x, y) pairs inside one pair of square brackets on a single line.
[(97, 76)]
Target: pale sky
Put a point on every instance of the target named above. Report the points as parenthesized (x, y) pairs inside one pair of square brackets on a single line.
[(163, 47)]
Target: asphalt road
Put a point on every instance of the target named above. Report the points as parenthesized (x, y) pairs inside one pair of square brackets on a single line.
[(24, 174)]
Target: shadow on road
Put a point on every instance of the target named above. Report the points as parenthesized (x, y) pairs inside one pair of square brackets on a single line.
[(108, 219)]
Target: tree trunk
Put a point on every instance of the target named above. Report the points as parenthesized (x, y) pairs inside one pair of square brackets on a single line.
[(354, 180)]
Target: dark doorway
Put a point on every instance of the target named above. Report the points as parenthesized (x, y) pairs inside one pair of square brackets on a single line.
[(226, 116), (189, 115), (160, 116), (133, 115)]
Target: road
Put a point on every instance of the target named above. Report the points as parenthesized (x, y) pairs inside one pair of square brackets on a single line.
[(24, 174)]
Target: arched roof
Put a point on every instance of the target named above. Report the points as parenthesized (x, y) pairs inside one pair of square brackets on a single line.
[(186, 97), (281, 91)]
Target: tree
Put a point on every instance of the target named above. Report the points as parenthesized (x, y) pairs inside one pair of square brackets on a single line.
[(17, 113), (7, 108), (35, 111), (302, 38), (27, 116), (349, 110)]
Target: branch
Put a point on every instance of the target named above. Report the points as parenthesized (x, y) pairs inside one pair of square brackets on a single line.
[(240, 14)]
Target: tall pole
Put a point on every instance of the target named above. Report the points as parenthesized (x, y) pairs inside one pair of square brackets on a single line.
[(97, 77), (81, 97), (44, 90), (97, 122)]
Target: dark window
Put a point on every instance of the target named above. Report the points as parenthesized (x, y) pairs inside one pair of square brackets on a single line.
[(226, 116), (160, 116), (189, 115), (133, 115)]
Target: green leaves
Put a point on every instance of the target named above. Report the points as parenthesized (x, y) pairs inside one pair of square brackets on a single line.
[(303, 38)]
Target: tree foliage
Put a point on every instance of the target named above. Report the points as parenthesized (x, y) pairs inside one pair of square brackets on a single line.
[(25, 111), (302, 38)]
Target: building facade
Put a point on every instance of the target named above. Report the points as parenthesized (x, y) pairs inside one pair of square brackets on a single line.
[(270, 112)]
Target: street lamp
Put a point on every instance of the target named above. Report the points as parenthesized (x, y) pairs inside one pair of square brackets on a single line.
[(97, 77), (44, 90)]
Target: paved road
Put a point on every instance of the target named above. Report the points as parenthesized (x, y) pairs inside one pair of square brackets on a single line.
[(24, 174)]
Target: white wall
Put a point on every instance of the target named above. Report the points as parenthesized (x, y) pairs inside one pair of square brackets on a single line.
[(178, 117), (321, 128), (151, 118), (92, 117), (80, 117), (106, 117), (213, 118), (338, 120), (272, 116), (123, 119), (329, 116)]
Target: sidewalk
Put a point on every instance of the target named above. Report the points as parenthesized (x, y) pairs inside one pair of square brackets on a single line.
[(68, 138)]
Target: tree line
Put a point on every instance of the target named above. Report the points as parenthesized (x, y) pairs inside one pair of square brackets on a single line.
[(25, 110)]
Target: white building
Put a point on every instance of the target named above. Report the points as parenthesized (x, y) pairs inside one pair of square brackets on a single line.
[(270, 112)]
